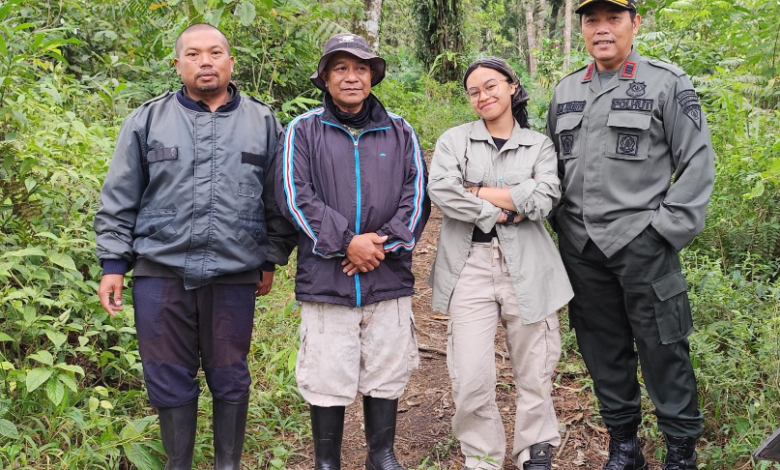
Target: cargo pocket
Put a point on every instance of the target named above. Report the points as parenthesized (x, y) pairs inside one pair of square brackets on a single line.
[(552, 343), (672, 310)]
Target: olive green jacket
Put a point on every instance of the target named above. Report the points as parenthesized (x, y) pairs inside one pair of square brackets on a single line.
[(634, 153), (526, 165)]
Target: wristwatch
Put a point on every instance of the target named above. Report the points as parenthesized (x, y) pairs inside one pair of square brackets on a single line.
[(510, 217)]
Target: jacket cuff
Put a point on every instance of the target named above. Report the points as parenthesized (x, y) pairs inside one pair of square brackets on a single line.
[(488, 217), (268, 267), (521, 193), (115, 266), (348, 236)]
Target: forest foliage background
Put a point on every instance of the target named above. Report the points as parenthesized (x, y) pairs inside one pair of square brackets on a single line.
[(70, 70)]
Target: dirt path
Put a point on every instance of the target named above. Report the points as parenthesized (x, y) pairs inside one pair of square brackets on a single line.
[(425, 410)]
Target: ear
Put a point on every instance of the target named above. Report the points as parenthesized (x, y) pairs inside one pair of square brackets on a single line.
[(637, 22), (232, 63), (176, 64)]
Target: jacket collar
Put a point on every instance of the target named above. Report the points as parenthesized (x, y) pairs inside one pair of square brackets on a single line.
[(379, 116), (519, 136), (626, 72), (234, 99)]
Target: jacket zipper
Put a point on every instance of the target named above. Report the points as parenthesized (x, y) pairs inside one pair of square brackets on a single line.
[(358, 197)]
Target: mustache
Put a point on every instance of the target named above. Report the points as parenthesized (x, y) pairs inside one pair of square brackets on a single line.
[(207, 72)]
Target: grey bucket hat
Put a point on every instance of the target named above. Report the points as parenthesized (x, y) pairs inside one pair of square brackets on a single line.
[(352, 44)]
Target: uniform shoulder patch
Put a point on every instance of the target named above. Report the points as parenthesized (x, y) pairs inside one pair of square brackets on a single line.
[(666, 66)]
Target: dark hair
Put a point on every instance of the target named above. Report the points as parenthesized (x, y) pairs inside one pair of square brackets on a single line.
[(519, 98), (198, 27)]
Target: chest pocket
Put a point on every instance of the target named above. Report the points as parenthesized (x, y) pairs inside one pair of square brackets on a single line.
[(568, 129), (629, 136), (472, 168)]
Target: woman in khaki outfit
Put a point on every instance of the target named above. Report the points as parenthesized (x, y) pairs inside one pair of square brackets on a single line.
[(495, 181)]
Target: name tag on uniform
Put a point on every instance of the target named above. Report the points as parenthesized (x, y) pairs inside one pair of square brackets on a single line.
[(632, 104), (570, 107)]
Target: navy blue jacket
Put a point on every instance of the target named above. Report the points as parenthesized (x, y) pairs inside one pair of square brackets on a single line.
[(333, 185)]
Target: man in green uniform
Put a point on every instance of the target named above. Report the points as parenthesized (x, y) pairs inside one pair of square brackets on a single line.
[(637, 169)]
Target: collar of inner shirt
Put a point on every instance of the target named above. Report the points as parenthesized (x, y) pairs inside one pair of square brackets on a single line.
[(231, 104)]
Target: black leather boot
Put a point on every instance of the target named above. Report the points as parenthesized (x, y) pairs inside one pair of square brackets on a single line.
[(380, 417), (327, 429), (177, 429), (680, 453), (624, 450), (541, 458), (229, 431)]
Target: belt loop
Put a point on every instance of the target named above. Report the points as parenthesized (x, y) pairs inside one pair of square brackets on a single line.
[(321, 318)]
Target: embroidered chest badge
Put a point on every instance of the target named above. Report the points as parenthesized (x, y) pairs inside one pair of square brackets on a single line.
[(627, 144), (567, 143), (636, 89)]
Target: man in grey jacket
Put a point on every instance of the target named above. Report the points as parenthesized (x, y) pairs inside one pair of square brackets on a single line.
[(188, 204), (636, 164)]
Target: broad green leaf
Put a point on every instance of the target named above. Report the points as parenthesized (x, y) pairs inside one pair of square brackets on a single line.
[(48, 235), (105, 404), (5, 365), (37, 377), (61, 259), (42, 356), (245, 11), (93, 403), (30, 314), (4, 337), (55, 391), (142, 457), (68, 382), (56, 337), (8, 429), (70, 368), (32, 251), (200, 5)]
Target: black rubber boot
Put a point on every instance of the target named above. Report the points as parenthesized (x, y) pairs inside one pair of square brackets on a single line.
[(327, 429), (680, 453), (229, 430), (380, 417), (624, 450), (177, 429), (541, 458)]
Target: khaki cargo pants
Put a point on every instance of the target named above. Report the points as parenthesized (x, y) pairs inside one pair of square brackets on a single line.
[(346, 350), (484, 295)]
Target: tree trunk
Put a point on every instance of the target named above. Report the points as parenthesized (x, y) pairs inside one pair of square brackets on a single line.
[(541, 28), (530, 31), (567, 35), (373, 20)]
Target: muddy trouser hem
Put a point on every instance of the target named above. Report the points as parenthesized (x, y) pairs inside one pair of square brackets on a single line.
[(371, 350)]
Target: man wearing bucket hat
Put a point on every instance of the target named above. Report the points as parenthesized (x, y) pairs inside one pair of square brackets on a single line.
[(353, 182), (636, 165)]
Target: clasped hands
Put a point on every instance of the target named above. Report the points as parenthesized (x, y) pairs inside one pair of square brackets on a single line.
[(364, 253)]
